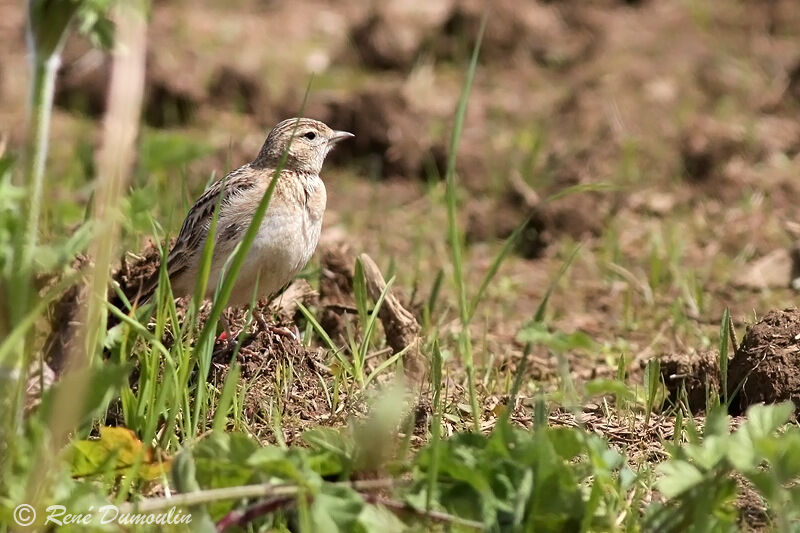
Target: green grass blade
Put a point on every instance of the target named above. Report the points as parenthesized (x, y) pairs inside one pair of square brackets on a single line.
[(450, 178), (316, 326), (581, 187), (226, 399), (436, 423), (501, 256), (724, 336), (454, 235), (370, 329), (433, 298), (542, 308), (360, 292), (652, 379), (386, 364), (239, 256), (205, 259)]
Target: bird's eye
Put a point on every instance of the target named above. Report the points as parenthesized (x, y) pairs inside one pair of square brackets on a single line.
[(310, 135)]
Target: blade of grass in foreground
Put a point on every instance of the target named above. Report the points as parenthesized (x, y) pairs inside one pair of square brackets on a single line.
[(436, 423), (538, 317), (453, 232), (724, 336), (239, 256)]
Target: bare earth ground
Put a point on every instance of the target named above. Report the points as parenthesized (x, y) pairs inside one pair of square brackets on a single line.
[(680, 116)]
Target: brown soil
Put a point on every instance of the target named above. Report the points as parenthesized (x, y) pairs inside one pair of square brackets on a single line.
[(697, 373), (767, 363), (390, 142), (336, 291)]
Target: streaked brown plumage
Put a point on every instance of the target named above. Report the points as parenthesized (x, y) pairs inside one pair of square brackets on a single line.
[(289, 231)]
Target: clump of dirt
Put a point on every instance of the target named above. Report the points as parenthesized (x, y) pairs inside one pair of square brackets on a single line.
[(388, 128), (753, 510), (487, 219), (64, 319), (82, 86), (391, 36), (284, 379), (82, 81), (793, 89), (551, 36), (237, 90), (706, 148), (336, 290), (169, 99), (578, 215), (166, 104), (767, 362), (696, 372), (137, 271)]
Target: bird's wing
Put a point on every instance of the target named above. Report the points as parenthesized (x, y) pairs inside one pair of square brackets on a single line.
[(196, 225), (195, 228)]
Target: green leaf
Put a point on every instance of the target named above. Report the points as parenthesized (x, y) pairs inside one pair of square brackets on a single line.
[(764, 420), (677, 476), (376, 518), (538, 334), (184, 477), (602, 387), (336, 509), (334, 445)]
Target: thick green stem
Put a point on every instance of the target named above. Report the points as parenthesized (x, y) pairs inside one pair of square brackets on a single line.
[(469, 366), (44, 77), (22, 287)]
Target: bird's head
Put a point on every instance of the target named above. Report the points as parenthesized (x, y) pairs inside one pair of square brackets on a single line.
[(305, 142)]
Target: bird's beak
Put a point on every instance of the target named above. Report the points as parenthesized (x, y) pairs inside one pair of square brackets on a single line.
[(340, 136)]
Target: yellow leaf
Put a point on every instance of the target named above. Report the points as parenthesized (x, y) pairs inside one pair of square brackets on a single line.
[(118, 450)]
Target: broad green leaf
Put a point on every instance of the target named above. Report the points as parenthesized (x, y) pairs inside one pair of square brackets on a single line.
[(376, 518), (677, 476), (336, 509), (764, 420), (602, 387)]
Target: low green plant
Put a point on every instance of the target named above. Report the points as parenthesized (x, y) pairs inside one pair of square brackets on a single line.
[(700, 479)]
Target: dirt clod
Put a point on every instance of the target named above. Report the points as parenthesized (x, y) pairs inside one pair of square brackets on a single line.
[(65, 319), (698, 373), (336, 289), (136, 270), (578, 216), (550, 36), (383, 44), (390, 131), (767, 363), (239, 90), (706, 148)]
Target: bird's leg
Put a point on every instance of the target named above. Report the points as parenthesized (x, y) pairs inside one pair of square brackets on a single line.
[(284, 332), (234, 342), (226, 325)]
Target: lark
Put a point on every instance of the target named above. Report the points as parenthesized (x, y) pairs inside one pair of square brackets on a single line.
[(289, 231)]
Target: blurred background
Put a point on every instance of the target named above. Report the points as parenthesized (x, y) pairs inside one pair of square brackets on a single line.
[(677, 120)]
